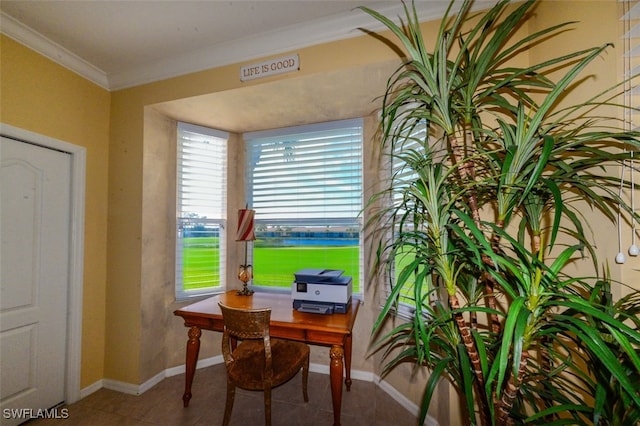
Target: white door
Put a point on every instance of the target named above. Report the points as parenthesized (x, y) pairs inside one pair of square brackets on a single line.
[(35, 203)]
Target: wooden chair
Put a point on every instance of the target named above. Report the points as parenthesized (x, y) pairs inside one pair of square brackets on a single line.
[(258, 362)]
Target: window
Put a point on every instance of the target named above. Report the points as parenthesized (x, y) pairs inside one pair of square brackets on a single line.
[(305, 184), (200, 210), (631, 48), (402, 175)]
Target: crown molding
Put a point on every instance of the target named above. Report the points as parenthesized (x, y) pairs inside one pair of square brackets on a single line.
[(35, 41), (266, 44), (274, 42)]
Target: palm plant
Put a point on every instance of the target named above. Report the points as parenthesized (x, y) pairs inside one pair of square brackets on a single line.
[(489, 178)]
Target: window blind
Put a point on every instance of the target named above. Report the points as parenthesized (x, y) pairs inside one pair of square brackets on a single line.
[(631, 44), (401, 177), (202, 155), (305, 184), (631, 30), (201, 209), (307, 174)]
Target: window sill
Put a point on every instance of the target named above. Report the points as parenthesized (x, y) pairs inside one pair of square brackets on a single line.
[(198, 296)]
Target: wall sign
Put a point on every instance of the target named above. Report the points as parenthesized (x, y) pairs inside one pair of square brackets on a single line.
[(282, 65)]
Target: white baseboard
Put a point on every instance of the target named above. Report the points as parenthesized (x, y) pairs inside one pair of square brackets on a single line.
[(355, 374), (366, 376), (94, 387), (202, 363), (125, 387), (132, 389), (404, 401)]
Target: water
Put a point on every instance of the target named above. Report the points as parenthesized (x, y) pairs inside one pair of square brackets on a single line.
[(341, 242)]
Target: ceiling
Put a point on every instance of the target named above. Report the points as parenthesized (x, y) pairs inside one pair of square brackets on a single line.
[(120, 44)]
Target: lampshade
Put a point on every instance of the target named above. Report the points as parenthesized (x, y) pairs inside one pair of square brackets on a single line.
[(246, 231)]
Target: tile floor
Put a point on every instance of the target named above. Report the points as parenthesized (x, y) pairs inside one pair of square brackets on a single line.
[(365, 404)]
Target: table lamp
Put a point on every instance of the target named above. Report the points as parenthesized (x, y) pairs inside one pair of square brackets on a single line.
[(245, 233)]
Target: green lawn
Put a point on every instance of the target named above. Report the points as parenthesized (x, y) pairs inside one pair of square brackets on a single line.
[(199, 268), (272, 266), (275, 266)]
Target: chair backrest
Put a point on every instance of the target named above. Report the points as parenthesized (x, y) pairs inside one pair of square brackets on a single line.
[(246, 323)]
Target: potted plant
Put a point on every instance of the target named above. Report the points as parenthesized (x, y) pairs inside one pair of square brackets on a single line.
[(482, 219)]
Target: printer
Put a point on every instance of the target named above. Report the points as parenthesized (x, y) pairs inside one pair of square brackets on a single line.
[(322, 291)]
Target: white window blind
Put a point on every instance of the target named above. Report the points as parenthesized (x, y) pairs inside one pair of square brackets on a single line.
[(631, 30), (305, 184), (201, 209), (631, 37), (402, 175), (311, 173)]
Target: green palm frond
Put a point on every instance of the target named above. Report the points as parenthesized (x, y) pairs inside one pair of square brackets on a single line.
[(497, 148)]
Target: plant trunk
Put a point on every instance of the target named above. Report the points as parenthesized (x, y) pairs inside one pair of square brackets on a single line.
[(536, 243), (510, 392), (474, 357), (490, 281), (467, 173), (467, 339), (546, 364), (491, 302)]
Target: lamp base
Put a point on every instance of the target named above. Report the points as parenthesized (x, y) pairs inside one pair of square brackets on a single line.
[(246, 291), (245, 273)]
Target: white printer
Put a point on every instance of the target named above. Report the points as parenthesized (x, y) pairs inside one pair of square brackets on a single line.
[(323, 291)]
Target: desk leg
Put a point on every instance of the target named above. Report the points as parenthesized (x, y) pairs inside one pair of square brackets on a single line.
[(347, 360), (335, 374), (193, 348)]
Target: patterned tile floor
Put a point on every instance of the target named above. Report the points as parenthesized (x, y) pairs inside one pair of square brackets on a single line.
[(365, 405)]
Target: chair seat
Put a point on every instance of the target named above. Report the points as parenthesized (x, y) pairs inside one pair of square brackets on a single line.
[(248, 367), (254, 360)]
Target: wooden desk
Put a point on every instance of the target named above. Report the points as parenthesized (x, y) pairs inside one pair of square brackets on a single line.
[(286, 323)]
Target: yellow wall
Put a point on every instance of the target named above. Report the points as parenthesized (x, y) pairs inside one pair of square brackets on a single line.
[(140, 222), (598, 23), (129, 331), (41, 96)]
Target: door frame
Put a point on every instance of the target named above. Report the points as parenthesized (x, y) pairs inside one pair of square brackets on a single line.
[(76, 264)]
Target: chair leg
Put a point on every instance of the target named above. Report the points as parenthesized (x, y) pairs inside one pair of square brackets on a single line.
[(305, 380), (231, 393), (267, 406)]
